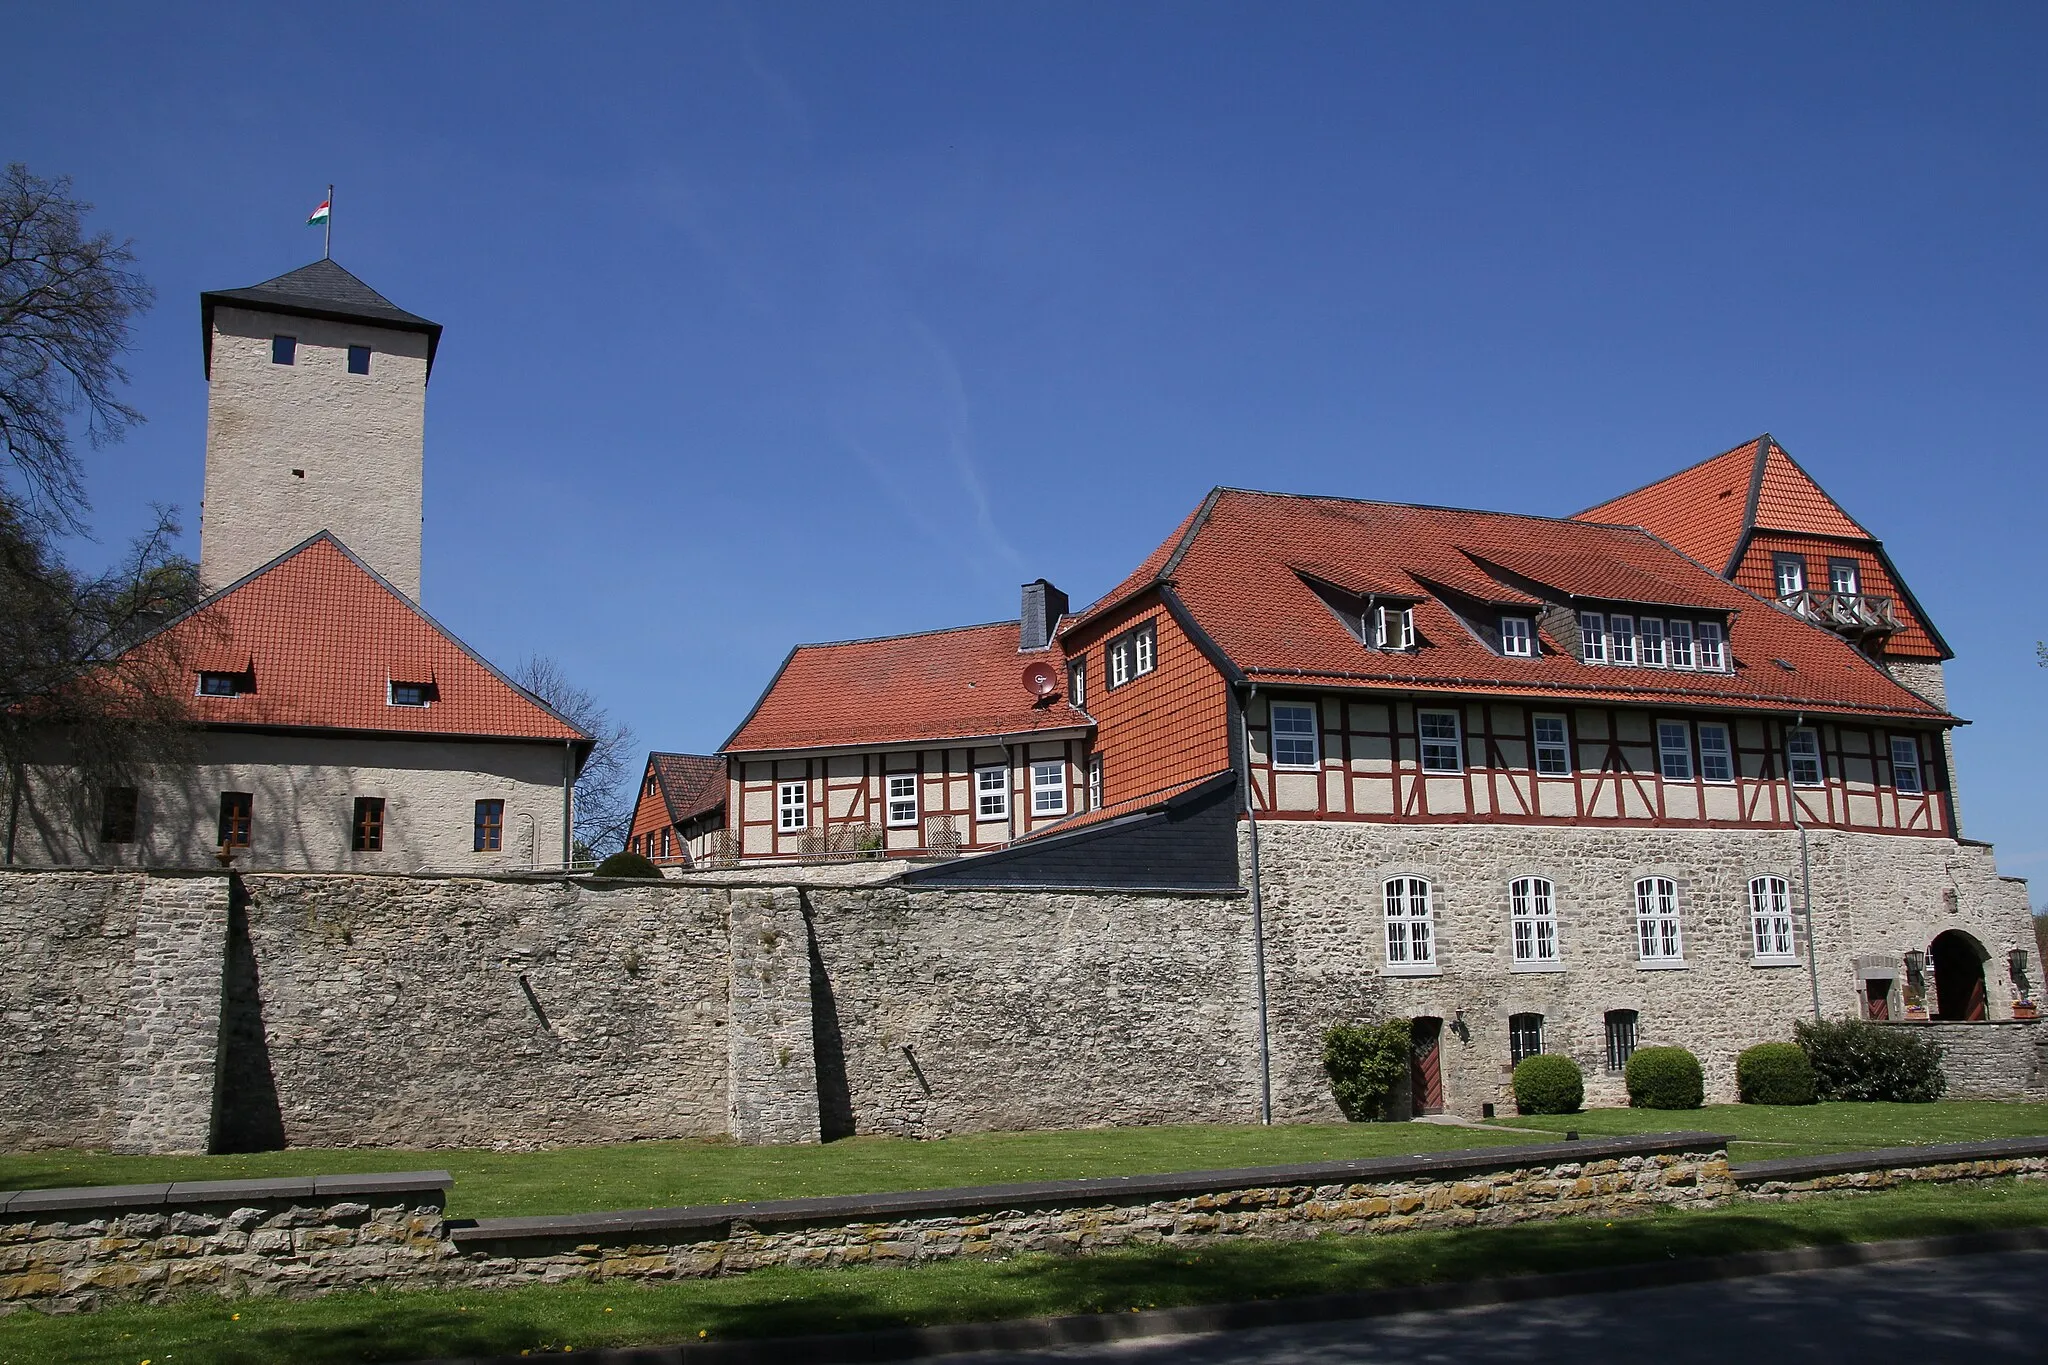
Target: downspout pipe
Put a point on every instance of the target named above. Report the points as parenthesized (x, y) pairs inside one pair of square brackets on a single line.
[(1805, 874), (568, 803), (1258, 912)]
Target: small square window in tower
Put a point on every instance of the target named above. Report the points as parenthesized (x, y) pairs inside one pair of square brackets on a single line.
[(118, 810), (237, 817), (490, 826), (366, 826), (284, 350), (358, 360)]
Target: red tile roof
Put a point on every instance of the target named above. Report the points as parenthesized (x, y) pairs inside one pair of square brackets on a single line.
[(1235, 575), (325, 637), (1789, 500), (691, 784), (938, 685)]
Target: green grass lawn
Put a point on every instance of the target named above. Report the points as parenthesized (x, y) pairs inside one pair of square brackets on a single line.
[(491, 1184), (401, 1326), (1768, 1130)]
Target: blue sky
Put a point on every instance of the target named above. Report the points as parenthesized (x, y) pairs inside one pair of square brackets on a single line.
[(802, 322)]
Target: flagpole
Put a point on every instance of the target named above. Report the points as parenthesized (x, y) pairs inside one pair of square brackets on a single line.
[(327, 245)]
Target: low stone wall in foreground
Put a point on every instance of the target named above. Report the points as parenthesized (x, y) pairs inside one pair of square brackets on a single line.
[(73, 1249)]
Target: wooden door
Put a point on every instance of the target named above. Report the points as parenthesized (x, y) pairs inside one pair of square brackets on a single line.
[(1426, 1075), (1878, 994)]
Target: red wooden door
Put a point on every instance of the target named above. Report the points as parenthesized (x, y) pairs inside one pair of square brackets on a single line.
[(1426, 1075), (1879, 996)]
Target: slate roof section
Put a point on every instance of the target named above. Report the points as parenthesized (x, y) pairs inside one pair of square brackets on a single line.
[(320, 290), (324, 636), (1235, 573), (691, 784), (951, 685)]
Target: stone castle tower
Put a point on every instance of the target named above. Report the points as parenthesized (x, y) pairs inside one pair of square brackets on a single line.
[(315, 421)]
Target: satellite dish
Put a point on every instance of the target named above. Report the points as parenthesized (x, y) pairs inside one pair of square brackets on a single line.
[(1040, 681)]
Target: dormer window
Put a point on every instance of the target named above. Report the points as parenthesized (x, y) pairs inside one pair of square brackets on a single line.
[(413, 693), (1132, 655), (1517, 637), (226, 684), (1394, 627), (1592, 637)]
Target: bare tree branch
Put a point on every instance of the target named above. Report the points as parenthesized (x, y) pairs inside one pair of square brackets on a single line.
[(66, 304), (604, 792)]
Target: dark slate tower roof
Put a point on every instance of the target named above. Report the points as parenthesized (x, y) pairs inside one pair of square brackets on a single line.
[(320, 290)]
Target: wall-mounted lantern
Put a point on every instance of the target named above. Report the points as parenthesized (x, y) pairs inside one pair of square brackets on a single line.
[(2022, 989)]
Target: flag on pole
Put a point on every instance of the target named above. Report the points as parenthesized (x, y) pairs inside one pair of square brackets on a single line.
[(319, 215)]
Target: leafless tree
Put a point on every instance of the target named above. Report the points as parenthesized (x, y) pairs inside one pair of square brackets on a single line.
[(66, 303), (605, 791)]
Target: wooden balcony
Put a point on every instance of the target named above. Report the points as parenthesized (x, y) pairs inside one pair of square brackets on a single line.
[(1853, 615)]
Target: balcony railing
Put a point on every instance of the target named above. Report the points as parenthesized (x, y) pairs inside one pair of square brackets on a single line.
[(1847, 613)]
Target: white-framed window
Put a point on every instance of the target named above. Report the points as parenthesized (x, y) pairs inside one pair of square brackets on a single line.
[(792, 805), (1906, 776), (1674, 750), (1712, 653), (1131, 655), (1117, 663), (902, 799), (1534, 917), (1657, 933), (1294, 735), (1411, 940), (991, 793), (1592, 637), (1077, 682), (1394, 627), (1678, 644), (1770, 917), (1517, 637), (1621, 639), (1844, 578), (1443, 751), (1145, 650), (1553, 747), (1049, 787), (1790, 571), (1650, 641), (1525, 1037), (1717, 754), (1802, 756), (1095, 782)]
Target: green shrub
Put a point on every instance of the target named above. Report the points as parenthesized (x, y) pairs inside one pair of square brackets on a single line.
[(1855, 1060), (1664, 1078), (627, 865), (1366, 1063), (1547, 1084), (1774, 1073)]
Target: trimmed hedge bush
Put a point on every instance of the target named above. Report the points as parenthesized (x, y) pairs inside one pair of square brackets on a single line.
[(1548, 1084), (1365, 1064), (1774, 1073), (1664, 1078), (1855, 1060), (627, 865)]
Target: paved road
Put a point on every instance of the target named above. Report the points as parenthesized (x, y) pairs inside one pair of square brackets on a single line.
[(1970, 1310)]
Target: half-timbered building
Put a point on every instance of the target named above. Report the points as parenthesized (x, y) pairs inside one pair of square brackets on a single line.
[(1674, 770), (680, 809)]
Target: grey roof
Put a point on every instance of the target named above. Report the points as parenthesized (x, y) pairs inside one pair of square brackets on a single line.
[(320, 290)]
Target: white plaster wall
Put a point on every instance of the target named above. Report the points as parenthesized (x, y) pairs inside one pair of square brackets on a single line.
[(359, 440), (304, 790)]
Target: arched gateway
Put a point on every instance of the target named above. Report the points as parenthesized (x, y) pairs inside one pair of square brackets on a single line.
[(1958, 975)]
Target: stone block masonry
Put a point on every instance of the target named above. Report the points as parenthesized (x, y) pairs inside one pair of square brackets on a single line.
[(170, 1039)]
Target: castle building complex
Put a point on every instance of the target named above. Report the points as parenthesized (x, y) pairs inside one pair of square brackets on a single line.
[(339, 727)]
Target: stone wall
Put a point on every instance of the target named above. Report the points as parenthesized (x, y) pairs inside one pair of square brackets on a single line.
[(951, 1011), (428, 1012), (1325, 922), (1994, 1060), (69, 948)]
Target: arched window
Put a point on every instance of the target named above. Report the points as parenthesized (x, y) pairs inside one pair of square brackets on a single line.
[(1657, 934), (1621, 1039), (1770, 917), (1410, 940), (1525, 1037), (1535, 919)]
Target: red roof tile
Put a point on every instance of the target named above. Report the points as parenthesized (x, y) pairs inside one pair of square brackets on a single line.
[(1789, 500), (1703, 510), (325, 637), (691, 784), (1236, 578), (939, 685)]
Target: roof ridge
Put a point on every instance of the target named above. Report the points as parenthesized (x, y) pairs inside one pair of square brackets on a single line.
[(1666, 478), (1435, 507), (902, 635)]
